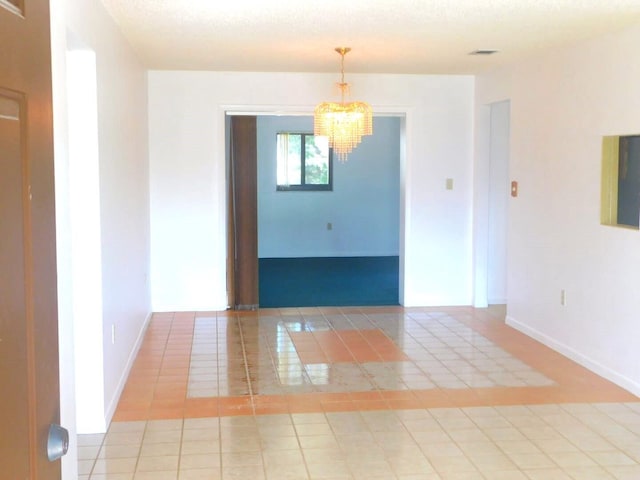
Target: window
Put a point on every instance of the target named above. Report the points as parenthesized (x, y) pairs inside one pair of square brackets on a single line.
[(621, 181), (304, 162)]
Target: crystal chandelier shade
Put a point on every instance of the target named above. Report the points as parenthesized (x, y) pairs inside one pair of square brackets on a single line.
[(344, 123)]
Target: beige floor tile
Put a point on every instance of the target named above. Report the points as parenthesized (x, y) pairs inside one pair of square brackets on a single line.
[(488, 464), (241, 444), (506, 434), (507, 475), (158, 464), (549, 445), (282, 458), (242, 472), (199, 461), (308, 418), (159, 449), (410, 465), (370, 467), (318, 441), (449, 465), (627, 472), (611, 458), (278, 443), (479, 449), (286, 472), (322, 455), (428, 437), (420, 476), (171, 475), (518, 447), (235, 459), (120, 427), (88, 452), (115, 465), (198, 423), (200, 447), (465, 475), (162, 436), (312, 429), (442, 449), (108, 476), (592, 473), (164, 425), (90, 439), (85, 466), (123, 438), (200, 434), (571, 459), (547, 474), (527, 461), (200, 474), (276, 430), (119, 451), (632, 450), (465, 437)]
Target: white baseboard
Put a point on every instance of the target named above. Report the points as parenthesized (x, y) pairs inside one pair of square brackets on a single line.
[(590, 364), (498, 301), (113, 404)]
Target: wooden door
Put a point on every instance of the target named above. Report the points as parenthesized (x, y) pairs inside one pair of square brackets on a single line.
[(244, 187), (30, 396)]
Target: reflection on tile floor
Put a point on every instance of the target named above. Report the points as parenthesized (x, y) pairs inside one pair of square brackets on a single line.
[(353, 352), (349, 393)]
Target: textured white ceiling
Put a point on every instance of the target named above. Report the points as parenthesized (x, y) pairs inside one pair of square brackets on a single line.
[(387, 36)]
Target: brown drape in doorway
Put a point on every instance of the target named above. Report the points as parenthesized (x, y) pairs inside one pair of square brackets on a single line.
[(242, 261)]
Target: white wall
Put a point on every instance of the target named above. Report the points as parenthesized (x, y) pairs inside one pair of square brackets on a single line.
[(124, 208), (363, 206), (561, 106), (85, 232), (187, 162)]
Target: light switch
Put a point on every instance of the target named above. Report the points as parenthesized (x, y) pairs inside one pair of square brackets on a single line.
[(449, 184)]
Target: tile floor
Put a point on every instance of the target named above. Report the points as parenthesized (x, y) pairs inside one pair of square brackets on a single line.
[(354, 393)]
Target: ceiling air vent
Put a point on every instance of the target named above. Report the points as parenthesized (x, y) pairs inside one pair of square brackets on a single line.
[(483, 52)]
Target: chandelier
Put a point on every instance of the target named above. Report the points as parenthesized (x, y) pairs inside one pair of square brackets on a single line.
[(344, 123)]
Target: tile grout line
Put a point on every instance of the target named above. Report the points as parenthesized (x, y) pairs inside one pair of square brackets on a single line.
[(246, 362)]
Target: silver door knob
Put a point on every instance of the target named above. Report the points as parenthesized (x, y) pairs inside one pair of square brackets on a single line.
[(58, 442)]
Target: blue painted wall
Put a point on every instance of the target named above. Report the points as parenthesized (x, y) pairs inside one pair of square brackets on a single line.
[(363, 207)]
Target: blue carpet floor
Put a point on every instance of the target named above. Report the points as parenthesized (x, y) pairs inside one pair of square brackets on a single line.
[(328, 281)]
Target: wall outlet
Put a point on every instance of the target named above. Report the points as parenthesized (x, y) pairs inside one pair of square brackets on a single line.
[(563, 297), (329, 226)]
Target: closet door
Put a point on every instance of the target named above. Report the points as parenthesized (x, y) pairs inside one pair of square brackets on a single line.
[(244, 213)]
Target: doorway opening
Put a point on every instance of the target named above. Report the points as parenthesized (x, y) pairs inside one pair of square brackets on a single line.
[(498, 203), (491, 204), (338, 247)]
